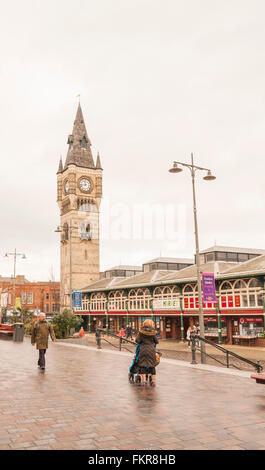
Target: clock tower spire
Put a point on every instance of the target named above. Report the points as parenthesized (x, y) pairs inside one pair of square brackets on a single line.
[(79, 192)]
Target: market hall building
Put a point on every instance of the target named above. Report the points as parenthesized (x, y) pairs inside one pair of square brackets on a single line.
[(166, 291)]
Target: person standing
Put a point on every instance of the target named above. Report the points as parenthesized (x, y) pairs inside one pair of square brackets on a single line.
[(98, 338), (40, 334), (128, 332), (147, 357), (191, 330), (121, 333)]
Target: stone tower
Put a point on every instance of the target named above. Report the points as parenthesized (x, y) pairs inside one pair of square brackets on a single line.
[(79, 192)]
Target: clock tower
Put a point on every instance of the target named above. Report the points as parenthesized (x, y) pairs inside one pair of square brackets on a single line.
[(79, 192)]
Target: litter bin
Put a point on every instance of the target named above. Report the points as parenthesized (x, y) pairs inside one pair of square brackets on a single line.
[(18, 332)]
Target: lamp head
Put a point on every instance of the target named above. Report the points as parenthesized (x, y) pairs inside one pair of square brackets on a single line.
[(209, 176), (175, 168)]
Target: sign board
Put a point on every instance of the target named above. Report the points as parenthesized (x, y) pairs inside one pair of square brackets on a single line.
[(77, 299), (208, 287), (163, 304)]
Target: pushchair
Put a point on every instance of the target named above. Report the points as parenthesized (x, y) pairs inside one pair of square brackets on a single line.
[(134, 375)]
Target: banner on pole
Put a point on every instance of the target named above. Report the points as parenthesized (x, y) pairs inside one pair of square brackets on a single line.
[(77, 299), (18, 302), (208, 287)]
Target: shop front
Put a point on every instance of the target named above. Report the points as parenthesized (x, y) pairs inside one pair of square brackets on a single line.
[(247, 330)]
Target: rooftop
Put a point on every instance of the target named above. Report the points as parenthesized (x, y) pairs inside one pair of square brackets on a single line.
[(233, 249), (170, 260)]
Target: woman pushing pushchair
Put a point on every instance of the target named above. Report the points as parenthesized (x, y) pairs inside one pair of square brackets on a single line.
[(147, 360)]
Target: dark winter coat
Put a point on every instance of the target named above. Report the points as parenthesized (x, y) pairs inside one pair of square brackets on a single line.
[(147, 339), (40, 334)]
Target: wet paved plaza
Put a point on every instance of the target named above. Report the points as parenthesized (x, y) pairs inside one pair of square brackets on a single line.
[(84, 401)]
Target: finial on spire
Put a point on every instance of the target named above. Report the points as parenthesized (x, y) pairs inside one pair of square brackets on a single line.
[(60, 168), (98, 164)]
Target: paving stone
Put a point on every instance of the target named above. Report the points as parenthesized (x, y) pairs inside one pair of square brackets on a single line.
[(79, 404)]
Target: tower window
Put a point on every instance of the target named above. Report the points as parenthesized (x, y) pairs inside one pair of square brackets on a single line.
[(85, 254), (83, 142)]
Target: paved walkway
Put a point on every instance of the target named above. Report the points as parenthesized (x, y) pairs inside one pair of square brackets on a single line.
[(84, 401)]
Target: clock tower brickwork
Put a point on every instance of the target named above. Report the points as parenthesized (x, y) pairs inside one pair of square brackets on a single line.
[(79, 192)]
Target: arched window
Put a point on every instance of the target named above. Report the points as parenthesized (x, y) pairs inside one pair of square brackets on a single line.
[(190, 296), (226, 286), (240, 284), (158, 292), (188, 288), (243, 293), (254, 282)]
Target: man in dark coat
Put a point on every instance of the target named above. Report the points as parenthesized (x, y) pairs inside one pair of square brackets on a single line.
[(147, 359), (40, 334)]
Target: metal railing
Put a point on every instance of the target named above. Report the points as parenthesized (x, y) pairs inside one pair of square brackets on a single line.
[(228, 354), (113, 335), (194, 339)]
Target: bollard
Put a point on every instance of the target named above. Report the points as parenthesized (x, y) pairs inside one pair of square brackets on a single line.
[(227, 359), (193, 349), (120, 343)]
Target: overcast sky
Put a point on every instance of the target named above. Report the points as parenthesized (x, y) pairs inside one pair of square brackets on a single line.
[(158, 79)]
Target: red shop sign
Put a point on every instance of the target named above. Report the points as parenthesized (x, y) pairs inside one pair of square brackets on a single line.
[(251, 320)]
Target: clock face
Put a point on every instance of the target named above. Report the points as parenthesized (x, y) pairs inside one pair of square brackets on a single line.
[(85, 184), (66, 186)]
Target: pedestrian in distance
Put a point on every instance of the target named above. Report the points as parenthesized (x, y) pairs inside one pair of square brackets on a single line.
[(121, 333), (40, 334), (191, 330), (98, 338), (128, 332), (147, 339)]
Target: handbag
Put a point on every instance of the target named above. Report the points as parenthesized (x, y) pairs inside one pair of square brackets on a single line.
[(158, 354)]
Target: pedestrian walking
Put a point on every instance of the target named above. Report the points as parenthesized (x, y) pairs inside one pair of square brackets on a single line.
[(98, 338), (147, 339), (40, 334), (121, 333), (128, 332)]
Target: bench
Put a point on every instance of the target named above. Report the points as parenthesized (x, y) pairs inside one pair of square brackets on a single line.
[(260, 378), (6, 330)]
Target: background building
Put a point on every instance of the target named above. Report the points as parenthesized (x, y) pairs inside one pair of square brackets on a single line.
[(36, 296)]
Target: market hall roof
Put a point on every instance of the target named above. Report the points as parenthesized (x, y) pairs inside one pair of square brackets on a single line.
[(157, 277), (252, 266)]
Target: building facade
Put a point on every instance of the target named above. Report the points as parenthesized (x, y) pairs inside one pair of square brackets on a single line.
[(79, 192), (171, 300), (35, 296)]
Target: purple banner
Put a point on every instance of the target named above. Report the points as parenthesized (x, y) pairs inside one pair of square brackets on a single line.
[(208, 287)]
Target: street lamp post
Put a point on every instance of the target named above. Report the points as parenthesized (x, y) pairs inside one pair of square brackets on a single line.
[(193, 168), (15, 254), (59, 230)]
